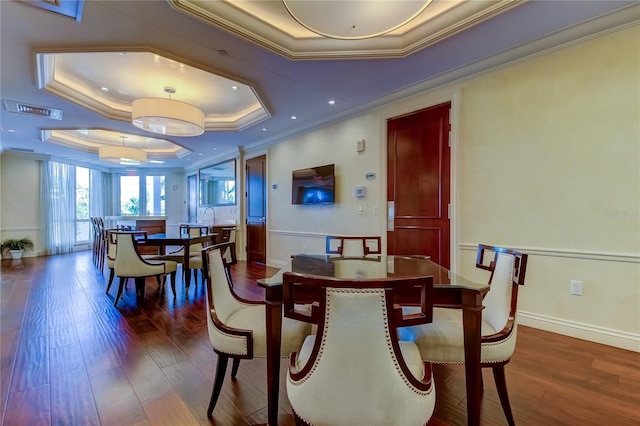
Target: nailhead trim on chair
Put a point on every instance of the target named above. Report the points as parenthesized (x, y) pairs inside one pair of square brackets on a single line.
[(233, 336), (387, 334)]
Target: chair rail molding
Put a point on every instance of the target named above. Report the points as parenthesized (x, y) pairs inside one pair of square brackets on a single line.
[(574, 254)]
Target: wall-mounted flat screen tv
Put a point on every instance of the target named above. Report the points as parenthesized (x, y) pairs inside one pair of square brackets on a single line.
[(315, 185)]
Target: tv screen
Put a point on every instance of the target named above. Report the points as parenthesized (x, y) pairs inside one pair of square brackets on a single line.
[(315, 185)]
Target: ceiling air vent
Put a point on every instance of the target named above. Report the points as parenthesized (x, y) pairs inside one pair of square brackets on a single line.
[(22, 108), (21, 150)]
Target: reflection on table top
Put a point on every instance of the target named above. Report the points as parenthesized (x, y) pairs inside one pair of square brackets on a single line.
[(176, 239), (371, 267)]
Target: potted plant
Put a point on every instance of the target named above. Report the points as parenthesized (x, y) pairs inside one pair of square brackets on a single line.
[(15, 247)]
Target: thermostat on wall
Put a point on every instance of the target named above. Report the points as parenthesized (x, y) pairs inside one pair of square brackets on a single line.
[(359, 191)]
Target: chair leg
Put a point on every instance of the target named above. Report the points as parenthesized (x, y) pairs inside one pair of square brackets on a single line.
[(140, 287), (112, 273), (221, 369), (501, 385), (120, 288), (173, 282), (235, 367)]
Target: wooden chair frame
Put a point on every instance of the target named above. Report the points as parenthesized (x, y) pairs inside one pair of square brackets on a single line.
[(223, 358), (519, 272), (366, 244)]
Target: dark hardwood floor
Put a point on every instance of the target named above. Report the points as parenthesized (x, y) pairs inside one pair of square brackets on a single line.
[(69, 357)]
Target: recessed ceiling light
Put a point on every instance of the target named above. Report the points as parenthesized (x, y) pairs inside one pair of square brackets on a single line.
[(234, 87), (11, 130), (104, 89), (293, 117), (199, 153), (156, 161), (264, 129), (332, 102)]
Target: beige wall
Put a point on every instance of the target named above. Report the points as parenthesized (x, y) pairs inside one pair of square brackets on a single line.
[(20, 201), (297, 228), (549, 161), (546, 158)]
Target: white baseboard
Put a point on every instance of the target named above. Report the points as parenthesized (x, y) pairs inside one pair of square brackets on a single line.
[(605, 336)]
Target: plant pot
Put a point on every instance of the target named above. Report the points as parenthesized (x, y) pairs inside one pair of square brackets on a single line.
[(15, 254)]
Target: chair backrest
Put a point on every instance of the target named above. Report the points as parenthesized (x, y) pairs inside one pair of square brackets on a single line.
[(357, 371), (112, 246), (194, 231), (508, 268), (220, 297), (353, 246), (128, 262)]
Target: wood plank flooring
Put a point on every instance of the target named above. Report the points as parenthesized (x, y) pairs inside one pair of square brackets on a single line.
[(69, 357)]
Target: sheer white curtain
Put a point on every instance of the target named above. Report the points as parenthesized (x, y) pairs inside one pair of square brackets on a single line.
[(58, 206), (100, 194)]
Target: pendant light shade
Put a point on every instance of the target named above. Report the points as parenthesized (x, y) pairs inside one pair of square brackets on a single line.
[(167, 117), (122, 154)]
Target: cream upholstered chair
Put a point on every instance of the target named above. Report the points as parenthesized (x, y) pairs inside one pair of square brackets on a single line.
[(237, 327), (356, 371), (229, 257), (443, 340), (129, 264), (352, 246), (112, 250), (194, 249)]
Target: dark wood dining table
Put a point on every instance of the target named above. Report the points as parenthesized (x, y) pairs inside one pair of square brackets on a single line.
[(450, 290), (181, 240)]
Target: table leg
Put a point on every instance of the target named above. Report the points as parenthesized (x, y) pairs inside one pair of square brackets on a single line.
[(185, 266), (472, 321), (273, 311)]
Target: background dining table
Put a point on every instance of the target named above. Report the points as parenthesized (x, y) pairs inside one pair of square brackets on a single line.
[(450, 290), (181, 240)]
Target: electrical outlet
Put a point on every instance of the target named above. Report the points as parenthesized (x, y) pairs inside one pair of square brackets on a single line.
[(576, 288)]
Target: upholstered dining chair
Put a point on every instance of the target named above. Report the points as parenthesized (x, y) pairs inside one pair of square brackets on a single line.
[(99, 246), (356, 371), (194, 249), (129, 264), (229, 257), (443, 342), (353, 246), (237, 327), (111, 251)]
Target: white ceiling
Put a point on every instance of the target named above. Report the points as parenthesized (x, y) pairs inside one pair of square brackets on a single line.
[(284, 87)]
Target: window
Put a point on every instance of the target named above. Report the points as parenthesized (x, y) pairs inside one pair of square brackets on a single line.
[(130, 195), (142, 195), (82, 205), (155, 195)]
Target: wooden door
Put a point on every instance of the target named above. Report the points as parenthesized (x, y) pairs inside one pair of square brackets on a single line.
[(418, 188), (256, 209)]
